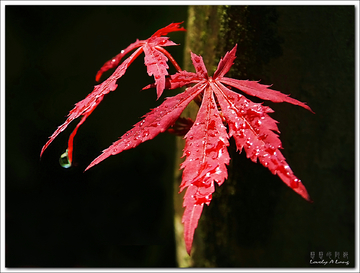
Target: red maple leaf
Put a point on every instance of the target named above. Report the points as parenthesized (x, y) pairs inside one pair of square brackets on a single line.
[(156, 58), (222, 114)]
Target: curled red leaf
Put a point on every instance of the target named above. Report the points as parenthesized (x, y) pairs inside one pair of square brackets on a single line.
[(156, 61)]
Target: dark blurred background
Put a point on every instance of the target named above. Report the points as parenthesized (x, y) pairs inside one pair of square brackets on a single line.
[(118, 214)]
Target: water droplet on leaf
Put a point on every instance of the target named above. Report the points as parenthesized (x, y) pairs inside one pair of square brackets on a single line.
[(64, 160), (294, 183)]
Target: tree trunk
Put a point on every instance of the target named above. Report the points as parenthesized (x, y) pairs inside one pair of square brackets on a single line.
[(254, 220)]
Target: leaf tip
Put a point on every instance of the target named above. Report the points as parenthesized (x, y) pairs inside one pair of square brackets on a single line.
[(188, 249), (88, 167), (94, 162), (308, 108), (300, 189)]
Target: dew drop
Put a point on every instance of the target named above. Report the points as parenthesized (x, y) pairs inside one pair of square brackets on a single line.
[(249, 144), (64, 160), (241, 134), (285, 169), (271, 150), (243, 125), (188, 153), (294, 183)]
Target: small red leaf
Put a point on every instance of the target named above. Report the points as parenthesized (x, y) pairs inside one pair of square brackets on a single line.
[(153, 39), (155, 56), (155, 60)]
